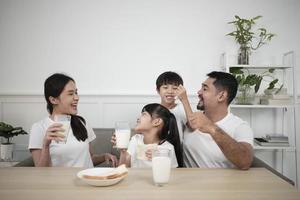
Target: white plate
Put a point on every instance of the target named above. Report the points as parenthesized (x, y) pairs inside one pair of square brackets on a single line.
[(98, 172)]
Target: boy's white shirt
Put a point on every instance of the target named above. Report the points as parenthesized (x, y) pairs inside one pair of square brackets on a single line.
[(181, 119), (137, 163)]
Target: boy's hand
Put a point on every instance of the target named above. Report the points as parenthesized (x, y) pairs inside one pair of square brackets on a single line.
[(181, 93)]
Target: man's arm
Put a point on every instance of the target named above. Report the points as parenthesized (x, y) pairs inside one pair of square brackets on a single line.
[(239, 153)]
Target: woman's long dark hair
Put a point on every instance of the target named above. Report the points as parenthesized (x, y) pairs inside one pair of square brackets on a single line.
[(169, 131), (53, 87)]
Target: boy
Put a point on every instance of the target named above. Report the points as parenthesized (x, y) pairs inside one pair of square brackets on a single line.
[(166, 86)]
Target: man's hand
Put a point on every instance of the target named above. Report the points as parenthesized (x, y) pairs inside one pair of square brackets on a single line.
[(198, 120)]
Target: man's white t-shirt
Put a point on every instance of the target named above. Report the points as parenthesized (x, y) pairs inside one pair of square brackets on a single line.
[(200, 149), (181, 120), (137, 163), (73, 153)]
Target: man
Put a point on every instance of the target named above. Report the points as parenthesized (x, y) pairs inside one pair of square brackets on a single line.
[(216, 138)]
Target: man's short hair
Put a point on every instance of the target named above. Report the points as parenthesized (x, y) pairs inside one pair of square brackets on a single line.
[(168, 78), (225, 81)]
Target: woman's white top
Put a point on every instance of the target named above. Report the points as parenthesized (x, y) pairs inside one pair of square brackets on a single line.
[(73, 153), (138, 163)]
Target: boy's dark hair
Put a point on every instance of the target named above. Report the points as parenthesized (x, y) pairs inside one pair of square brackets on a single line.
[(168, 78), (225, 81), (169, 130), (53, 87)]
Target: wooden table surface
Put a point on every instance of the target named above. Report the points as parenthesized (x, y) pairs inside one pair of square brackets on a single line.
[(61, 183)]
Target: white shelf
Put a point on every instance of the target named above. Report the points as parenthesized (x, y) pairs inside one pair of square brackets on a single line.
[(261, 106), (261, 66), (258, 147)]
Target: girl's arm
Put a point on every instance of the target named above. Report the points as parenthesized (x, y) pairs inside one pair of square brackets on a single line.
[(125, 158)]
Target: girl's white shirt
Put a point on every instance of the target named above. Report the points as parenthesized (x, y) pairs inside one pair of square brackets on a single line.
[(137, 163), (72, 154)]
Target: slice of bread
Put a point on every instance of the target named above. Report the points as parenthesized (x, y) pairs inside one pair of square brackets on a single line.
[(116, 173)]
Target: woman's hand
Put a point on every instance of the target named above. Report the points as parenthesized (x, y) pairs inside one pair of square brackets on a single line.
[(109, 158), (113, 140), (52, 133)]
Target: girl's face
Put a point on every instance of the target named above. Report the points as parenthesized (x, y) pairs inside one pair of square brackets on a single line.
[(144, 122), (67, 101)]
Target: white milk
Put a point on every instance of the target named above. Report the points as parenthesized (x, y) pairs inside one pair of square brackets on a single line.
[(122, 138), (161, 168), (66, 127)]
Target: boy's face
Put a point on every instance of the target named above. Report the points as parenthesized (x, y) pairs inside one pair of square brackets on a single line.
[(167, 94)]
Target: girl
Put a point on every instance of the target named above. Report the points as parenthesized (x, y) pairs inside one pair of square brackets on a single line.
[(62, 99), (157, 125)]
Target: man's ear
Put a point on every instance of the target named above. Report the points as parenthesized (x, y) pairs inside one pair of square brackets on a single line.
[(222, 96), (53, 100), (157, 122)]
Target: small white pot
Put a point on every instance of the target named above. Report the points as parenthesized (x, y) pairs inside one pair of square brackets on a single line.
[(6, 152)]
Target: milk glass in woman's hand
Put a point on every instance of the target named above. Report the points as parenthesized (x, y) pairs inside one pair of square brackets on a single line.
[(161, 166), (65, 120), (122, 131)]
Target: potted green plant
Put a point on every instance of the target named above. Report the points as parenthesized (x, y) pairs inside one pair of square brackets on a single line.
[(249, 84), (246, 38), (7, 131)]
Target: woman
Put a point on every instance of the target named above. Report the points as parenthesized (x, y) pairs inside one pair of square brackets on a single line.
[(44, 143)]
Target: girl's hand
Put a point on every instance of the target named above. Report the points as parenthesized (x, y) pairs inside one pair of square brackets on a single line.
[(109, 158), (52, 133), (148, 154)]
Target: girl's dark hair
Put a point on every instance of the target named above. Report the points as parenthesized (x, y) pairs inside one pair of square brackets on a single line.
[(168, 78), (53, 87), (169, 131)]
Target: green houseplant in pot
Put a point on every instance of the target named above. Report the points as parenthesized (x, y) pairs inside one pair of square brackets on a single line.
[(7, 131), (246, 38), (249, 84)]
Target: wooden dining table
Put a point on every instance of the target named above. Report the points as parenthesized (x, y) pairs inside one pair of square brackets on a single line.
[(50, 183)]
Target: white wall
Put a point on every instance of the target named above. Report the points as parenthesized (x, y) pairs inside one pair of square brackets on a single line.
[(121, 46)]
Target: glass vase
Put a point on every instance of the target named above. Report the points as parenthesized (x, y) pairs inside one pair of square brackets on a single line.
[(245, 95), (243, 55)]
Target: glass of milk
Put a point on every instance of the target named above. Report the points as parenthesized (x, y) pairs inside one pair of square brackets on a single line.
[(161, 166), (65, 120), (122, 131)]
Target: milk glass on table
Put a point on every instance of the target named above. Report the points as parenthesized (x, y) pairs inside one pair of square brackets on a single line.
[(161, 166), (65, 120), (122, 131)]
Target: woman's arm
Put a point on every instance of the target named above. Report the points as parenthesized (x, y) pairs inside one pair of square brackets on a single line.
[(106, 157), (41, 157)]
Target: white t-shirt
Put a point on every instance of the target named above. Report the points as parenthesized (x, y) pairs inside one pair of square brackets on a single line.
[(200, 149), (72, 154), (137, 163), (181, 120)]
